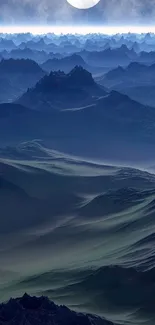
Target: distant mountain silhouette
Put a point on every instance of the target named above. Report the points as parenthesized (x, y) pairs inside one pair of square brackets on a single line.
[(147, 57), (136, 47), (137, 80), (27, 53), (63, 46), (7, 44), (16, 76), (19, 66), (67, 63), (39, 45), (110, 57), (60, 90), (134, 73), (112, 125)]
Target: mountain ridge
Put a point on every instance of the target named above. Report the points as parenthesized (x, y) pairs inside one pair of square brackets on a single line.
[(40, 310), (137, 80), (16, 75), (74, 89)]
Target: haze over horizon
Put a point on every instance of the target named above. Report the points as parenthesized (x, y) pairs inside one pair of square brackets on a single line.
[(75, 29)]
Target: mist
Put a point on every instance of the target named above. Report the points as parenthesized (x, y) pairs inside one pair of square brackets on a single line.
[(60, 12)]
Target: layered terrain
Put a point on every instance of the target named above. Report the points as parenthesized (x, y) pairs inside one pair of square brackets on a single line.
[(77, 183), (79, 232)]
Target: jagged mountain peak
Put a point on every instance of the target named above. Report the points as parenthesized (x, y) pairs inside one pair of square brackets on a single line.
[(58, 79), (81, 75), (42, 311)]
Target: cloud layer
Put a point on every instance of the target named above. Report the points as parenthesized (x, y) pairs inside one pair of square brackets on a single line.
[(60, 12)]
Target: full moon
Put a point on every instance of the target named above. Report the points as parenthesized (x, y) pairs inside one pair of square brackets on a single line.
[(83, 4)]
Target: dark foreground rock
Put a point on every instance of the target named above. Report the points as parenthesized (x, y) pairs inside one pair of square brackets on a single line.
[(41, 311)]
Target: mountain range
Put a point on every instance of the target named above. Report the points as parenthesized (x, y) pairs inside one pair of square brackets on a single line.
[(77, 183), (16, 76), (63, 91), (109, 57), (26, 53), (136, 80), (42, 311), (68, 63), (63, 106)]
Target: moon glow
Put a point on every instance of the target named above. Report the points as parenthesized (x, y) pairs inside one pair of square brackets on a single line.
[(83, 4)]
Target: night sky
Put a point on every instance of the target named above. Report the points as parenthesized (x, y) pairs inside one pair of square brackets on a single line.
[(59, 12)]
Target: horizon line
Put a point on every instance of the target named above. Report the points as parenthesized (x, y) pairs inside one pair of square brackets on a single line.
[(83, 30)]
